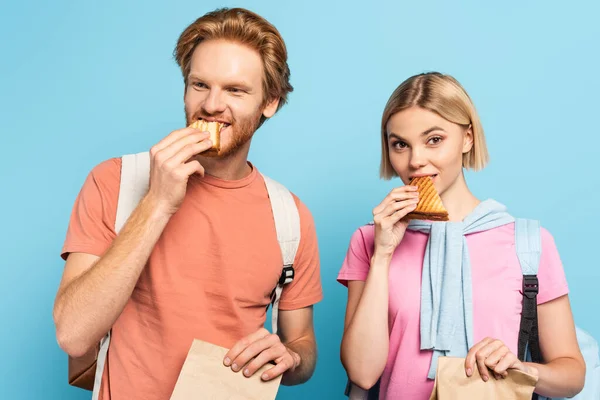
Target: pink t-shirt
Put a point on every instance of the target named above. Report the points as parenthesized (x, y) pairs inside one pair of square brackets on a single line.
[(497, 281)]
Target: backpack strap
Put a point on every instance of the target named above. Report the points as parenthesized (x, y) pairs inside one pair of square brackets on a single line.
[(287, 225), (135, 174), (528, 244), (135, 180)]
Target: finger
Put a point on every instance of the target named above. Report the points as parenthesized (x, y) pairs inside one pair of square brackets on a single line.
[(173, 148), (398, 215), (398, 205), (470, 358), (402, 193), (192, 167), (174, 136), (482, 356), (271, 354), (407, 188), (188, 152), (508, 361), (285, 364), (253, 350), (483, 370), (496, 356), (242, 344)]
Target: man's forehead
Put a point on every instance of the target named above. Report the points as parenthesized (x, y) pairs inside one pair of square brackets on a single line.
[(226, 60)]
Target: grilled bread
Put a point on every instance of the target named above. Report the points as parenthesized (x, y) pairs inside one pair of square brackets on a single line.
[(214, 128), (430, 205)]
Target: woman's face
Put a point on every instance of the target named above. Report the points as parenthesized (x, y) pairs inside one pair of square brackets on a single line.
[(422, 143)]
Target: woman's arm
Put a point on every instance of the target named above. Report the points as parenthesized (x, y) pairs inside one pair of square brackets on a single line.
[(365, 342), (563, 372)]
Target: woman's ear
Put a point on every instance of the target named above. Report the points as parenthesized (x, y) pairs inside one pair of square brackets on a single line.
[(468, 139)]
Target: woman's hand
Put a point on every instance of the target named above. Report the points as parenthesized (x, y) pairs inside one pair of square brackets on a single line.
[(493, 357), (389, 226)]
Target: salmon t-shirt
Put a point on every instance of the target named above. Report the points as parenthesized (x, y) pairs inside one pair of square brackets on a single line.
[(497, 300), (209, 277)]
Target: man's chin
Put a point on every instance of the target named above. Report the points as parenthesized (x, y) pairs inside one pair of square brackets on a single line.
[(212, 154)]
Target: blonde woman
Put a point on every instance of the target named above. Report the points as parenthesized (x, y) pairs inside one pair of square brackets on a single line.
[(400, 281)]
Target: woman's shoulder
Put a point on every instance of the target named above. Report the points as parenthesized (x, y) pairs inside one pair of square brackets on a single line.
[(508, 232), (363, 236)]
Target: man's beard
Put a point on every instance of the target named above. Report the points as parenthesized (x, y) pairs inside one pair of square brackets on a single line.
[(240, 132)]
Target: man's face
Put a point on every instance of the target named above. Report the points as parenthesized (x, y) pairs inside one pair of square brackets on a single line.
[(225, 84)]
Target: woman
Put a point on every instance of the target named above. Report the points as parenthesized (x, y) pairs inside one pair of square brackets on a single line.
[(430, 128)]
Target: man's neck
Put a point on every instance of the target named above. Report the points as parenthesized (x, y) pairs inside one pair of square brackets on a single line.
[(232, 168)]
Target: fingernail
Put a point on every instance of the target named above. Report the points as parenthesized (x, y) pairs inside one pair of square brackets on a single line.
[(265, 377), (485, 378), (469, 372), (234, 367), (227, 361), (247, 372)]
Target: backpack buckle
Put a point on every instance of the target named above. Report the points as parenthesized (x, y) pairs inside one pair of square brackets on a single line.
[(287, 275), (530, 286)]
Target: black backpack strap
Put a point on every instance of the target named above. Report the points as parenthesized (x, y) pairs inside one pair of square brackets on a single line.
[(528, 244), (528, 332)]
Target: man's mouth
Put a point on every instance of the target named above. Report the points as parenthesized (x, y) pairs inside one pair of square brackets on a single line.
[(224, 124)]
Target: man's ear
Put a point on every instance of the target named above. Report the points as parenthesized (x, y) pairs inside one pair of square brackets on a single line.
[(271, 108)]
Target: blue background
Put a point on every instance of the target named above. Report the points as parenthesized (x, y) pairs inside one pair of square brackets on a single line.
[(84, 81)]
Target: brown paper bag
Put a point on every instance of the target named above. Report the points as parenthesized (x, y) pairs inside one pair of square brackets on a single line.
[(204, 376), (452, 382)]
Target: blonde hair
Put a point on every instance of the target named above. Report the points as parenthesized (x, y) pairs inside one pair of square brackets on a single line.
[(443, 95), (248, 28)]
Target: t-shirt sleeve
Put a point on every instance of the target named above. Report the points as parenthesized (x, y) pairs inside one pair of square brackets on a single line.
[(551, 275), (357, 262), (305, 289), (92, 223)]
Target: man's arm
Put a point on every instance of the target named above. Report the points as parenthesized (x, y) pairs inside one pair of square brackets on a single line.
[(94, 291), (297, 334)]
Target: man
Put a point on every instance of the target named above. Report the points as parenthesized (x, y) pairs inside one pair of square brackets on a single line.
[(198, 257)]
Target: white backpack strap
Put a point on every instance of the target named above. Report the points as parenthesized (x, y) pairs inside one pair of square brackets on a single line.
[(528, 242), (135, 179), (287, 224)]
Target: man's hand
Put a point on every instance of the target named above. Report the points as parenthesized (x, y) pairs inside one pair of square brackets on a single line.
[(172, 162), (258, 349)]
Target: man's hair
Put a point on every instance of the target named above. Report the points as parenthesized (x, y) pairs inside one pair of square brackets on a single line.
[(247, 28)]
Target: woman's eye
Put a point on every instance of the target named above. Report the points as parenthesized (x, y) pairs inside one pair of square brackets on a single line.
[(399, 144), (435, 140)]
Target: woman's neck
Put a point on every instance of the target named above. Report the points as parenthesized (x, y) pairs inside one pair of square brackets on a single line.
[(458, 200)]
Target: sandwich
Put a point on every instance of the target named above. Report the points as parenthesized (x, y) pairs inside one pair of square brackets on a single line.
[(214, 128), (430, 205)]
